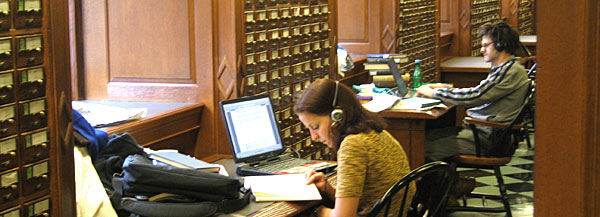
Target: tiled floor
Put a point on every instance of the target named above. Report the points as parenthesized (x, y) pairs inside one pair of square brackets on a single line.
[(518, 178)]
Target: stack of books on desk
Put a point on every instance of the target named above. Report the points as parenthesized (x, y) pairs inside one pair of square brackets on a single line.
[(377, 65)]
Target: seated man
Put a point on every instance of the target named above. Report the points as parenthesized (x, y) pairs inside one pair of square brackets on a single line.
[(497, 98)]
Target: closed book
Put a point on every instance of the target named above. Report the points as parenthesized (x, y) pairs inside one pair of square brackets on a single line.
[(371, 66), (384, 81), (385, 60), (177, 159), (387, 55)]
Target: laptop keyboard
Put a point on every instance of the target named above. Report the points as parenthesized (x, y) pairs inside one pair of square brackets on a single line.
[(283, 164)]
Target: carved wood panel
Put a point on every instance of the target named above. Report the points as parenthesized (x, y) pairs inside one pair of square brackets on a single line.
[(147, 52)]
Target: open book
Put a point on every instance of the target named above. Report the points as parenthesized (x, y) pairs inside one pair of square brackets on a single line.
[(290, 187)]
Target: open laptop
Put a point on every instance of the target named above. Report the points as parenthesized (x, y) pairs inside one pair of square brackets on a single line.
[(401, 89), (409, 96), (255, 141)]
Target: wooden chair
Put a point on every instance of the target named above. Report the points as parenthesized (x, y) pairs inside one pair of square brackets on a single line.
[(512, 129), (433, 182)]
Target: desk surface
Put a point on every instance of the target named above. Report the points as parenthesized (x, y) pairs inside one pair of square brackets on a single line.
[(415, 114), (465, 64), (528, 39), (166, 125), (263, 209)]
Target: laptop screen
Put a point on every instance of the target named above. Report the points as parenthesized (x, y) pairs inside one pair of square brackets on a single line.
[(252, 128), (402, 89)]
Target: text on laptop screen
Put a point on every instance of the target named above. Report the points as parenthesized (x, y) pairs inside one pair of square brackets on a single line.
[(252, 127)]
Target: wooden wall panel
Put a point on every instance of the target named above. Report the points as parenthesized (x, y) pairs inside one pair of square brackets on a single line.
[(449, 22), (93, 67), (145, 52), (150, 41), (567, 164), (359, 25)]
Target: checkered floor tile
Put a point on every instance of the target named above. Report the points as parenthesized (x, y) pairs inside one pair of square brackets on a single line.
[(518, 178)]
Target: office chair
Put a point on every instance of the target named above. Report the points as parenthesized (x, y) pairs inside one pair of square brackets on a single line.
[(512, 129), (433, 182)]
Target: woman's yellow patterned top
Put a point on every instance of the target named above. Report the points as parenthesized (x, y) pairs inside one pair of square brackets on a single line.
[(368, 165)]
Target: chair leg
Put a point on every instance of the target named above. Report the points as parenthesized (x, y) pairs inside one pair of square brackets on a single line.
[(503, 193)]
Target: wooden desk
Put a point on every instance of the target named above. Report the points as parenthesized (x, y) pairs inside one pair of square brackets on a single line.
[(408, 127), (464, 71), (166, 125), (267, 209)]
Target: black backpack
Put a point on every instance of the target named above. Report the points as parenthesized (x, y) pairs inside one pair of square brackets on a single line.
[(145, 189)]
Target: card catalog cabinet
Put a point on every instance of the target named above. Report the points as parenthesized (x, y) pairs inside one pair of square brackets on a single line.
[(526, 17), (417, 31), (285, 45), (34, 102), (482, 11)]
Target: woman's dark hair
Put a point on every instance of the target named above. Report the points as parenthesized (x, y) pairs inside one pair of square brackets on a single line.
[(318, 99), (505, 37)]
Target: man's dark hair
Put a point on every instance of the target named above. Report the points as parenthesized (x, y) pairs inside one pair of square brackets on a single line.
[(505, 37)]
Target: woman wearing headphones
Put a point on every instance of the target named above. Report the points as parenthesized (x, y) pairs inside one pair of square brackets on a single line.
[(369, 159)]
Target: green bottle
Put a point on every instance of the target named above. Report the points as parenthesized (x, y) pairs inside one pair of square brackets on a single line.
[(417, 75)]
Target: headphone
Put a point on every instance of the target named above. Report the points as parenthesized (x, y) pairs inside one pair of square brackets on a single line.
[(500, 43), (337, 115)]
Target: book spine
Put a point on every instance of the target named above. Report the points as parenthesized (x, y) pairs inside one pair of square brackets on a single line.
[(378, 60), (379, 72)]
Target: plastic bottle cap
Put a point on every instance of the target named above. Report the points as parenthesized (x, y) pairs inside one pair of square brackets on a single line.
[(417, 61)]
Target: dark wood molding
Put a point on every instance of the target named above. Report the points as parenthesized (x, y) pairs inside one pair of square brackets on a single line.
[(567, 121)]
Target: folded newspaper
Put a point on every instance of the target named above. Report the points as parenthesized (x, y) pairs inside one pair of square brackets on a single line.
[(100, 115)]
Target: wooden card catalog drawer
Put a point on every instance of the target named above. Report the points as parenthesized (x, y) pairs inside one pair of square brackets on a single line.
[(39, 208), (274, 79), (30, 52), (286, 136), (249, 87), (4, 15), (6, 60), (8, 153), (35, 177), (35, 146), (286, 97), (263, 82), (9, 189), (7, 90), (8, 120), (29, 14), (286, 76), (12, 212), (275, 98), (32, 83), (33, 114), (284, 118)]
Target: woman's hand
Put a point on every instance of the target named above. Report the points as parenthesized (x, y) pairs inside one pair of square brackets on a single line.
[(317, 178)]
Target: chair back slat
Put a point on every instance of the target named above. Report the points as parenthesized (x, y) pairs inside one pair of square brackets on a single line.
[(433, 181)]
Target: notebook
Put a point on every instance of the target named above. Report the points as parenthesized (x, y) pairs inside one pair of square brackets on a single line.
[(255, 141)]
